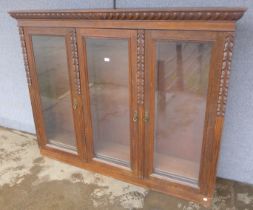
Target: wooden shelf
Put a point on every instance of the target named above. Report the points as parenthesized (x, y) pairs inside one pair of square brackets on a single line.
[(59, 122), (178, 168), (114, 152)]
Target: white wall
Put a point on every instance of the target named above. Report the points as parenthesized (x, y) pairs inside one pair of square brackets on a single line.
[(236, 158)]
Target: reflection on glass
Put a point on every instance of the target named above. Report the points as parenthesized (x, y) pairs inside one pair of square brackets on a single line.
[(180, 100), (109, 95), (52, 69)]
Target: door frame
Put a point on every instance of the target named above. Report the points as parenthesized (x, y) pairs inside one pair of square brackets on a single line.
[(77, 113), (211, 137), (131, 36)]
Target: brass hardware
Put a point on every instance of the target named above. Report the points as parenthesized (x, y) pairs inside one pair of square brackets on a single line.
[(75, 103), (135, 117), (146, 117)]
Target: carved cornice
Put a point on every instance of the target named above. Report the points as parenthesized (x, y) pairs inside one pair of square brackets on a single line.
[(140, 66), (75, 61), (225, 74), (227, 14), (23, 45)]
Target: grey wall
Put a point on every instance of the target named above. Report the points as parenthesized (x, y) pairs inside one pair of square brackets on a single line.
[(236, 157)]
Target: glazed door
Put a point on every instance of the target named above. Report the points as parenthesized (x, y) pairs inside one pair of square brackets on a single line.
[(108, 58), (180, 83), (55, 90)]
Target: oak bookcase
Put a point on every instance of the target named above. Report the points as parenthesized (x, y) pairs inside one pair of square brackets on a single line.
[(138, 95)]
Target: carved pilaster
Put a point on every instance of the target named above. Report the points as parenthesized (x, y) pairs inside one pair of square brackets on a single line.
[(75, 62), (23, 45), (225, 74), (140, 66)]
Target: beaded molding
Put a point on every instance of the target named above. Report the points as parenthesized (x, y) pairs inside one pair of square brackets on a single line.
[(170, 14), (75, 61), (140, 66), (25, 57), (225, 74)]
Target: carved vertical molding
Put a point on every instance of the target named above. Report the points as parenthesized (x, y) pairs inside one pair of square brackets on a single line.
[(225, 74), (140, 66), (75, 61), (23, 45)]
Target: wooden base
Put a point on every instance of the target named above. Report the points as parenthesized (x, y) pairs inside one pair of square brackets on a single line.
[(174, 189)]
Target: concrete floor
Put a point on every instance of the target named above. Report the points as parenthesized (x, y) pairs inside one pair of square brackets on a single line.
[(29, 181)]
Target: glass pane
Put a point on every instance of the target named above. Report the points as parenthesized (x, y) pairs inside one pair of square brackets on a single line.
[(109, 94), (52, 69), (180, 101)]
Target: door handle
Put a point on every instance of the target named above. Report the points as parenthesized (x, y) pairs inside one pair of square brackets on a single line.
[(75, 104), (135, 117)]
